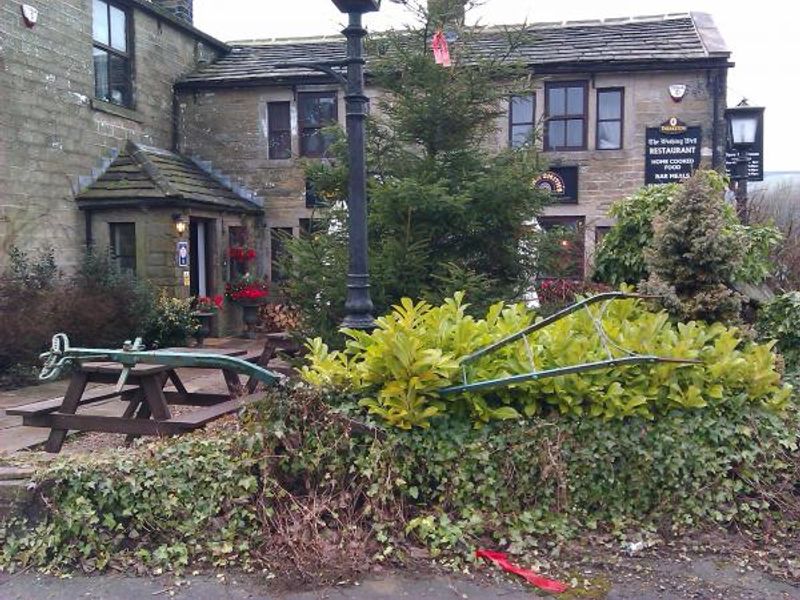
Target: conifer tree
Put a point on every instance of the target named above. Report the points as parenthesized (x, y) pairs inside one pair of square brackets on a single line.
[(694, 254), (448, 208)]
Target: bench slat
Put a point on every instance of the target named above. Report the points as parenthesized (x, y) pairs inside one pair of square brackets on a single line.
[(198, 418), (48, 406)]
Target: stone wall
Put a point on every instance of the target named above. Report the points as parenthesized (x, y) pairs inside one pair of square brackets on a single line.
[(156, 250), (607, 175), (53, 135), (229, 126)]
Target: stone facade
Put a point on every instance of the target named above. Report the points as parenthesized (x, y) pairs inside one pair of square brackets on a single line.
[(230, 128), (55, 136), (194, 95), (229, 125), (608, 175)]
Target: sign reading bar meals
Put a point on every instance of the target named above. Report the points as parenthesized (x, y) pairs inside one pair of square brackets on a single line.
[(672, 152)]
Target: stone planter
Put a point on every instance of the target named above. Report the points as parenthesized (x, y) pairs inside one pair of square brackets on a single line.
[(250, 316), (204, 328)]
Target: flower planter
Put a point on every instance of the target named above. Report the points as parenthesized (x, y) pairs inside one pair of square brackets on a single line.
[(250, 316), (204, 326)]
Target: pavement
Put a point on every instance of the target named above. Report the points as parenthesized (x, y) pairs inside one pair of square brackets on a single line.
[(15, 437), (703, 578)]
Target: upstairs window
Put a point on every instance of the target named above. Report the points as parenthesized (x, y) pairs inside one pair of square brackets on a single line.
[(280, 130), (521, 118), (566, 108), (111, 52), (315, 111), (609, 118), (123, 246)]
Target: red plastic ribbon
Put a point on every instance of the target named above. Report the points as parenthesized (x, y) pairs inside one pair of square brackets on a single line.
[(441, 51), (501, 560)]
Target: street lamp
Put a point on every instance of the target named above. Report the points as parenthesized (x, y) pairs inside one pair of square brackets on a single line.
[(357, 6), (358, 306), (744, 125)]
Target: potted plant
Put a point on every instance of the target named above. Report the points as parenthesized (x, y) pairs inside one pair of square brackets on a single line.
[(205, 308), (249, 292)]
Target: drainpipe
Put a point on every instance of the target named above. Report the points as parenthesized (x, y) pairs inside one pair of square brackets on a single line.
[(720, 102), (87, 215)]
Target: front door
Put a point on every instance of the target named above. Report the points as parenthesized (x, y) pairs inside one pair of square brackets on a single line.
[(200, 251)]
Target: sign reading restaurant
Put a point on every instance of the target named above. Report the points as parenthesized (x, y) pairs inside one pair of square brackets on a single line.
[(672, 152)]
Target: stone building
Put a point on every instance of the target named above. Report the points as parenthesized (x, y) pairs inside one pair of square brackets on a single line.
[(596, 88), (123, 126), (87, 125)]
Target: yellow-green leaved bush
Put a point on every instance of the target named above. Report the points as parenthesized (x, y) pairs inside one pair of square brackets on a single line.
[(418, 348)]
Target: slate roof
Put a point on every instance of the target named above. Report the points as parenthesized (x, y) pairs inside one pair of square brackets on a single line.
[(585, 44), (145, 176)]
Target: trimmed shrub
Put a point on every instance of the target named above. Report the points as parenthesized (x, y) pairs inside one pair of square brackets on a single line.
[(418, 349)]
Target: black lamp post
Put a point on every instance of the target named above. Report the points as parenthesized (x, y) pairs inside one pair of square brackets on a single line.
[(744, 123), (358, 306)]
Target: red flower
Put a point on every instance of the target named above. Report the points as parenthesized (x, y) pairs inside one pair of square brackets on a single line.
[(247, 289), (241, 254)]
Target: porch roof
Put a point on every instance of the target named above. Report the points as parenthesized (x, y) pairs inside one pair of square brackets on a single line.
[(146, 176)]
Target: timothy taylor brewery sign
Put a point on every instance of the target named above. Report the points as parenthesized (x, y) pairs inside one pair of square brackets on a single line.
[(672, 152)]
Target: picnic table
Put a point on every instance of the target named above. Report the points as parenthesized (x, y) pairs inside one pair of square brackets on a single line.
[(148, 411)]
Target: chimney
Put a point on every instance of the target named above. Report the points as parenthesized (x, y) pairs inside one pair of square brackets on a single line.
[(181, 9), (441, 12)]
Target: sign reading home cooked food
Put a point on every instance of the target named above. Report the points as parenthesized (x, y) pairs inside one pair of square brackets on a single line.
[(672, 152)]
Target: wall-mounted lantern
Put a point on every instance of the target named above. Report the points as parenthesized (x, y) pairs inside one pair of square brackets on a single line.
[(180, 223)]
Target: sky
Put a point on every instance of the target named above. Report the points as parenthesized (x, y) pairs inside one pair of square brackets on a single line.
[(763, 37)]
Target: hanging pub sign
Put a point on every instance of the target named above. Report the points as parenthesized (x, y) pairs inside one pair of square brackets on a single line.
[(755, 155), (672, 152), (561, 182)]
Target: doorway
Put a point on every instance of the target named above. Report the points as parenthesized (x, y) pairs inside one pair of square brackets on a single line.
[(200, 252)]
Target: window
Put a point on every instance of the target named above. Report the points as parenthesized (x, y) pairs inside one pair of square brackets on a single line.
[(278, 238), (609, 118), (600, 233), (566, 116), (561, 251), (280, 130), (313, 199), (522, 118), (237, 238), (310, 226), (123, 246), (315, 111), (112, 54)]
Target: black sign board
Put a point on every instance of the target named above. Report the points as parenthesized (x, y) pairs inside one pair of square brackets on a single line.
[(755, 164), (561, 182), (672, 152)]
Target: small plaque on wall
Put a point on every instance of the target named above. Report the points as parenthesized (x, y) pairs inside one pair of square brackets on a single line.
[(561, 182), (183, 254)]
